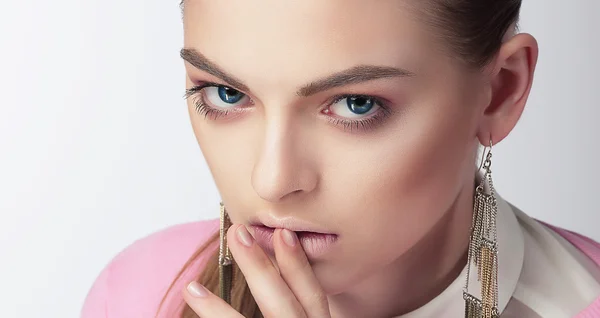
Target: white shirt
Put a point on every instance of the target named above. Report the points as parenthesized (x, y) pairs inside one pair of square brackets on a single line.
[(540, 274)]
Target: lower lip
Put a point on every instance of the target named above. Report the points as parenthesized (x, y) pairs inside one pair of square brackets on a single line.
[(314, 244)]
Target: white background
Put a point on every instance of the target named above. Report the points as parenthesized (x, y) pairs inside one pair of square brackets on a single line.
[(96, 149)]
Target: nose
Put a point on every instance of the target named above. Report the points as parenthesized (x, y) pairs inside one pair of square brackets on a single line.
[(284, 167)]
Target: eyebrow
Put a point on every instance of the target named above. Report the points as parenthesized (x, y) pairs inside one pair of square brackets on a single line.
[(201, 62), (353, 75)]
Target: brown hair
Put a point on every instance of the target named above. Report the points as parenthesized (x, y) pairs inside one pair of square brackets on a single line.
[(474, 31)]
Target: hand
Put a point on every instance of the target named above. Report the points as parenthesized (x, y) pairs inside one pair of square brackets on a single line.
[(292, 292)]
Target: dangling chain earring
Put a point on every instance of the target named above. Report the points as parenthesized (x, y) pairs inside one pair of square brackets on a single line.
[(225, 259), (483, 248)]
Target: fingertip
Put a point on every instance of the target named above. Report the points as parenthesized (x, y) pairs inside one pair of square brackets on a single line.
[(231, 230), (239, 233), (231, 234), (196, 290), (285, 239), (205, 303), (289, 238)]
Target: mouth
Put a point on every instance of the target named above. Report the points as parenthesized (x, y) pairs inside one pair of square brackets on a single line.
[(315, 244)]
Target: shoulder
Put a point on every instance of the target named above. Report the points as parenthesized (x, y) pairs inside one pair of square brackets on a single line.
[(135, 281), (561, 270), (167, 245)]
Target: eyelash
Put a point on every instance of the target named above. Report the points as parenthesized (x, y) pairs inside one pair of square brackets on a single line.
[(348, 124)]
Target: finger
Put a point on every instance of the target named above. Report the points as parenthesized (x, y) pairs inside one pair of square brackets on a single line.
[(272, 295), (206, 304), (299, 275)]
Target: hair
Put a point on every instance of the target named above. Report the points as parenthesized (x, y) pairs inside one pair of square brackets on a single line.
[(474, 31)]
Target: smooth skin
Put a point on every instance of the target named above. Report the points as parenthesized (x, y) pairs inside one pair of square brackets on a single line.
[(397, 193)]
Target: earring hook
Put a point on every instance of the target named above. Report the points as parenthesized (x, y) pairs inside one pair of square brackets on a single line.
[(486, 158)]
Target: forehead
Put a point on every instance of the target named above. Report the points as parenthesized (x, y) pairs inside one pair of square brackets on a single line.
[(284, 40)]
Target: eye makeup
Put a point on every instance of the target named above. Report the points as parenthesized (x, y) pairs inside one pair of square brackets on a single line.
[(361, 112)]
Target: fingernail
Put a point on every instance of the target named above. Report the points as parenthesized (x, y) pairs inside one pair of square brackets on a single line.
[(289, 237), (243, 236), (197, 290)]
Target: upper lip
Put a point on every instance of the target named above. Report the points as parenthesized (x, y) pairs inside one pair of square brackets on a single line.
[(289, 223)]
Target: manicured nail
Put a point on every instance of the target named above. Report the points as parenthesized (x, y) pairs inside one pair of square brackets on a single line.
[(289, 237), (244, 237), (197, 290)]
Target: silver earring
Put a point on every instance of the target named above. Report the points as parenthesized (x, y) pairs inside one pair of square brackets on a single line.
[(483, 248), (225, 259)]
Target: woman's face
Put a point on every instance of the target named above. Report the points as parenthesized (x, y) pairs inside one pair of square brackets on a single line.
[(344, 114)]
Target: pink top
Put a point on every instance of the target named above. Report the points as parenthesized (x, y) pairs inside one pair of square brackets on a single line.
[(592, 250), (133, 284), (135, 281)]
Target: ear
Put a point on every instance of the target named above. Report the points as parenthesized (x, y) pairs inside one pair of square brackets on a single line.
[(510, 81)]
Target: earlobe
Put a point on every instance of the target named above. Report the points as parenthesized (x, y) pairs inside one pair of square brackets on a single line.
[(511, 83)]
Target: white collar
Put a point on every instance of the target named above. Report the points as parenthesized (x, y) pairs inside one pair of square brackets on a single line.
[(511, 253)]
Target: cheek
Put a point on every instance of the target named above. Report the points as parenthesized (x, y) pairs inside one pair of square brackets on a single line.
[(228, 151), (408, 179)]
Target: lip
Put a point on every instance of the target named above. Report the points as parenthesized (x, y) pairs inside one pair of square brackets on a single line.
[(314, 244), (290, 223)]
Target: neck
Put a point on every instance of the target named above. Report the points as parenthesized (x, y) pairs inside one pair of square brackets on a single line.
[(419, 275)]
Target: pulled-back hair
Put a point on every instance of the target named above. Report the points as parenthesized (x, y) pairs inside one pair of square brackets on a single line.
[(473, 29)]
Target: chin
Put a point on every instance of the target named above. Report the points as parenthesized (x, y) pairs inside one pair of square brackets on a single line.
[(332, 280)]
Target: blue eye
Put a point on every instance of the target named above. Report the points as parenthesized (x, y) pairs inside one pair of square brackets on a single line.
[(355, 107), (360, 105), (218, 96), (229, 95)]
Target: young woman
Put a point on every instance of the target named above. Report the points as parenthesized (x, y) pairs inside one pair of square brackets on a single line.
[(343, 136)]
